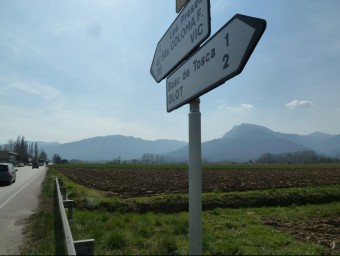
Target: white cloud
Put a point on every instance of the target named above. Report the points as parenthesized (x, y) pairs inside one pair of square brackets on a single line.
[(299, 104), (247, 106), (44, 91), (242, 107)]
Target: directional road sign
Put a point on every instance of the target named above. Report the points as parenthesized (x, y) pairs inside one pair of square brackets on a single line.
[(222, 57), (187, 32)]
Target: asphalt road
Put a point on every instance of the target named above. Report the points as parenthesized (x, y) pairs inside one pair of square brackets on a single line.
[(17, 202)]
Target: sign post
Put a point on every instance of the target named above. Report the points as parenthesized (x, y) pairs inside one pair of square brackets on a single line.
[(195, 179)]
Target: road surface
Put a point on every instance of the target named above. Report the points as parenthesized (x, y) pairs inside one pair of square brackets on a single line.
[(17, 202)]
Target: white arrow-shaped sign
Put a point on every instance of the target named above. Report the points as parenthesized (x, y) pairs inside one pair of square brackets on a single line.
[(186, 33), (222, 57)]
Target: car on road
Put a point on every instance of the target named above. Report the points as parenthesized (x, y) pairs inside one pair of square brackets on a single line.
[(35, 165), (7, 173)]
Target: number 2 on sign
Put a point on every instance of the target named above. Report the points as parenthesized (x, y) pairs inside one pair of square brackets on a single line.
[(226, 56)]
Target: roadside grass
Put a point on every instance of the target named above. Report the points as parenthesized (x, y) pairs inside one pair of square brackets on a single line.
[(133, 233), (43, 234), (225, 231), (232, 222), (241, 232)]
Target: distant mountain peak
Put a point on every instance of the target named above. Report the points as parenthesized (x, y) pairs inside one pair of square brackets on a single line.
[(245, 127), (320, 135), (251, 126)]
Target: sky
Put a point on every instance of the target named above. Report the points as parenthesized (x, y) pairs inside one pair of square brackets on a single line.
[(71, 70)]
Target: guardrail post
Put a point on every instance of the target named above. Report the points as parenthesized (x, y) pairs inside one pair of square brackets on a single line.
[(63, 192), (84, 247), (69, 205), (61, 183)]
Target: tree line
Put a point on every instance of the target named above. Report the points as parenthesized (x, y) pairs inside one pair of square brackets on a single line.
[(149, 158), (146, 158), (25, 151), (305, 157)]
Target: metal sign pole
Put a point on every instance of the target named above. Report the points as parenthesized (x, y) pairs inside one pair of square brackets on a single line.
[(195, 179)]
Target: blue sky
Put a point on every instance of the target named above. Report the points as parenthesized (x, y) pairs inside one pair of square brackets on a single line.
[(71, 70)]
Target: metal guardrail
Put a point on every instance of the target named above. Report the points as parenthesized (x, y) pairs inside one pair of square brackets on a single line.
[(80, 247)]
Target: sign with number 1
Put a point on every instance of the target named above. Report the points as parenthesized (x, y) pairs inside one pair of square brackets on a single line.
[(222, 57)]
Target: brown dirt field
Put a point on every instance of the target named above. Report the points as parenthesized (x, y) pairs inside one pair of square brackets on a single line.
[(154, 181)]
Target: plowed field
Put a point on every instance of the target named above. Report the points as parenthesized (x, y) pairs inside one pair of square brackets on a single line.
[(155, 181)]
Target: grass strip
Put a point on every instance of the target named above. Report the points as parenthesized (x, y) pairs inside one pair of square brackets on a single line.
[(43, 233)]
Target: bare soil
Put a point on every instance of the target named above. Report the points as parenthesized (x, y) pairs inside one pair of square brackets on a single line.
[(324, 231), (155, 181)]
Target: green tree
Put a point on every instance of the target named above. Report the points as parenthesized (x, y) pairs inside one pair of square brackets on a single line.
[(19, 146), (56, 159), (35, 151), (43, 155)]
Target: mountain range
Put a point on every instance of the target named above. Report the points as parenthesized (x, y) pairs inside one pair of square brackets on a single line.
[(242, 143), (107, 148)]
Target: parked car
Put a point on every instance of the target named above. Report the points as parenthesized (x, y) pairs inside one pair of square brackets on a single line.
[(21, 165), (35, 165), (7, 173)]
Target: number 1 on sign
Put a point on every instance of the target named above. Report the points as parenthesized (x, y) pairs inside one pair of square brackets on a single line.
[(227, 39), (226, 56)]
